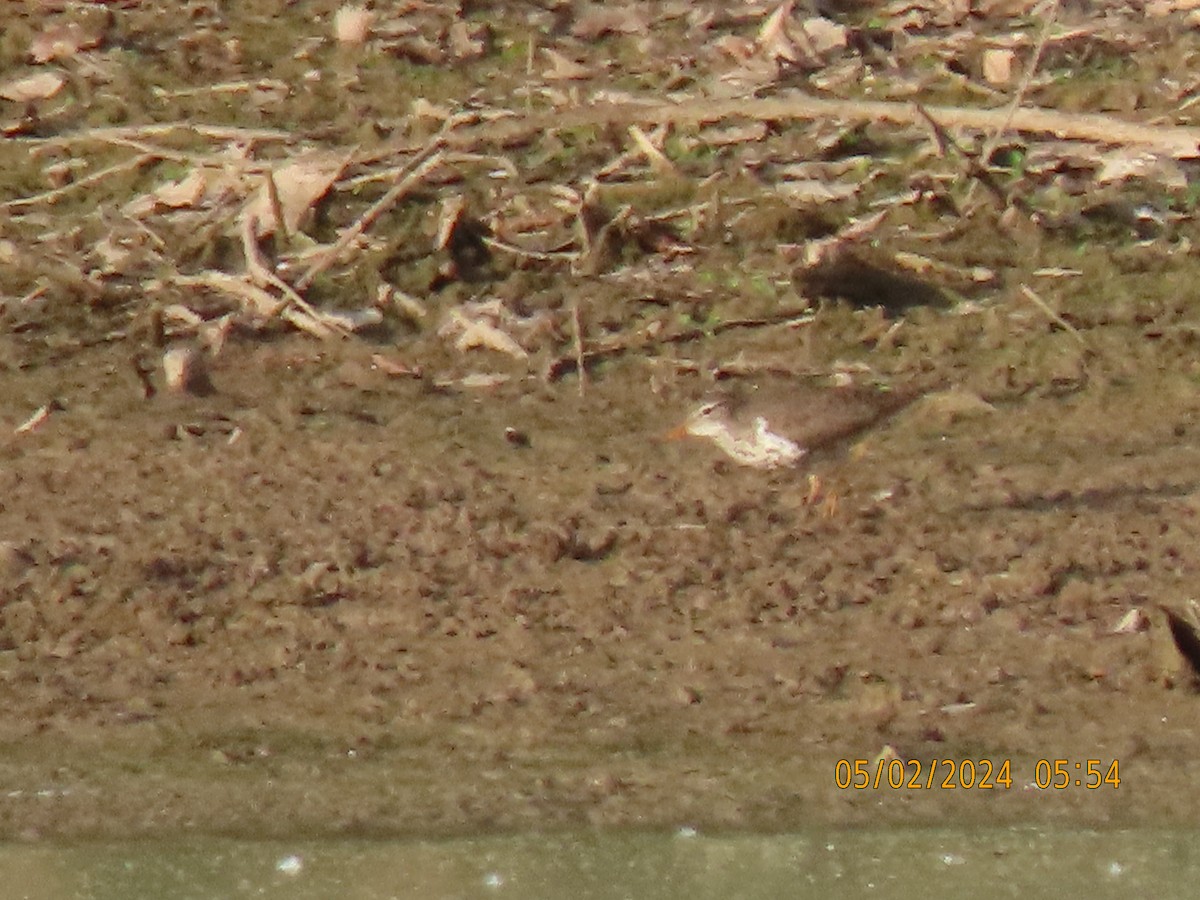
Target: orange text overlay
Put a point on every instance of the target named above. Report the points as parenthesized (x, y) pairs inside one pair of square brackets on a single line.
[(967, 774)]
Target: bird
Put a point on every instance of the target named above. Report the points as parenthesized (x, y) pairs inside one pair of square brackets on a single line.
[(1186, 638), (775, 426)]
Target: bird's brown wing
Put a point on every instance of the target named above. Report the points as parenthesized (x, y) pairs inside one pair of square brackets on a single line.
[(824, 417)]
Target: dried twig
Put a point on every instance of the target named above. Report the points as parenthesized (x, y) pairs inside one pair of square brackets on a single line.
[(1178, 141), (227, 87), (577, 337), (424, 163), (497, 244), (276, 207), (1035, 60), (1054, 317), (296, 310), (50, 196), (135, 132), (649, 149), (560, 365), (975, 168)]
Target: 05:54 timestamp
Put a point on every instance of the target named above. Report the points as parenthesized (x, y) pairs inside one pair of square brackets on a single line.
[(946, 774), (1062, 773)]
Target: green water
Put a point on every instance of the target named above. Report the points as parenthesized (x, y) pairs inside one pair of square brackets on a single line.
[(892, 863)]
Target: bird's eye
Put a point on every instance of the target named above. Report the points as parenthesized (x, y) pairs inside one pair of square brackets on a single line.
[(708, 408)]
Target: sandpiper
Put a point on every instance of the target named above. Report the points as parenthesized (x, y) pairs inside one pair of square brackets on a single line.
[(773, 427)]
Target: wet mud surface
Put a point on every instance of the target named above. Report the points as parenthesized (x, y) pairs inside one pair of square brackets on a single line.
[(390, 583), (327, 600)]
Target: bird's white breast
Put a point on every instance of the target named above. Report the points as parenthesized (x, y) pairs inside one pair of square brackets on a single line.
[(759, 447)]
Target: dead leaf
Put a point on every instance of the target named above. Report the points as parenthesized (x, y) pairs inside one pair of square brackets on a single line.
[(998, 66), (1132, 622), (773, 39), (1160, 8), (464, 237), (658, 162), (811, 191), (423, 109), (448, 219), (114, 256), (599, 20), (824, 35), (564, 69), (299, 184), (147, 204), (734, 46), (468, 40), (351, 320), (32, 87), (474, 331), (418, 49), (352, 24), (720, 136), (1006, 9), (393, 369), (64, 39), (186, 192), (482, 381), (1131, 162)]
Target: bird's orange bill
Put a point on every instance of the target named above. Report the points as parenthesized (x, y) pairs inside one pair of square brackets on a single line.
[(678, 433)]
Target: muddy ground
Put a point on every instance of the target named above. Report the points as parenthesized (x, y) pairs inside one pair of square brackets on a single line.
[(326, 599)]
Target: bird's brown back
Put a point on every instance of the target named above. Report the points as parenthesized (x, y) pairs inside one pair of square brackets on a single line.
[(816, 416)]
